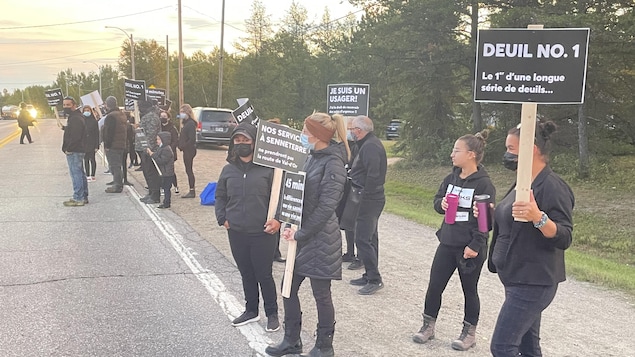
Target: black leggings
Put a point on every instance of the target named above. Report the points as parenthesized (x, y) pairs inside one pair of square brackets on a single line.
[(90, 164), (25, 132), (446, 261), (323, 301), (188, 161)]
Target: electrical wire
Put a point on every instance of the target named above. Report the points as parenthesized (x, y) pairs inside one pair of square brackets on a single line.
[(85, 21)]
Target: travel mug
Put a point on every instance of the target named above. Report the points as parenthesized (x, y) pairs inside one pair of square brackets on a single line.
[(483, 207), (453, 204)]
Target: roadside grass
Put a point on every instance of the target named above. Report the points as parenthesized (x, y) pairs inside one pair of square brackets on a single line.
[(603, 237)]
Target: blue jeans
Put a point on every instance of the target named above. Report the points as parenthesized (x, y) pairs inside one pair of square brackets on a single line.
[(78, 176), (517, 331)]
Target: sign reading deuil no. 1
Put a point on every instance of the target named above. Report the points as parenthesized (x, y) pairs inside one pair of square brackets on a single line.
[(292, 198), (279, 146), (54, 97), (134, 90), (348, 99), (545, 66)]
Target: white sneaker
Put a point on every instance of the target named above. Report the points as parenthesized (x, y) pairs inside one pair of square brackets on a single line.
[(176, 190), (89, 179)]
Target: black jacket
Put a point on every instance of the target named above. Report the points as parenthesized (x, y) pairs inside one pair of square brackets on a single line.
[(92, 133), (369, 167), (187, 140), (242, 196), (164, 157), (526, 256), (464, 232), (319, 253), (25, 119), (115, 130), (74, 133), (174, 134)]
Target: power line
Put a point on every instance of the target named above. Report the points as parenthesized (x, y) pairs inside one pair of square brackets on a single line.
[(22, 42), (83, 22), (49, 59)]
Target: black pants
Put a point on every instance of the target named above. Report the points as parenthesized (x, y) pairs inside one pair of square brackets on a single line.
[(90, 164), (367, 238), (166, 185), (124, 166), (114, 163), (446, 260), (151, 176), (188, 161), (323, 301), (253, 253), (25, 132), (350, 242), (133, 157)]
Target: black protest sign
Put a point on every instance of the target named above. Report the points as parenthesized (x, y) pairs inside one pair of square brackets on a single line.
[(348, 99), (140, 138), (135, 90), (54, 97), (292, 198), (279, 147), (246, 112), (530, 65), (157, 94)]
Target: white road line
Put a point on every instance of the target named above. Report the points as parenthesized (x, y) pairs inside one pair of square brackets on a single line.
[(254, 333)]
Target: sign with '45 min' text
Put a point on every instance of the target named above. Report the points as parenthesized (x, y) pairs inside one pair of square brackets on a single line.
[(531, 65)]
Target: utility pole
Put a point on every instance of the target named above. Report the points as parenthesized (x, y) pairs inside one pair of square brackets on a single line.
[(219, 99), (181, 95), (167, 68)]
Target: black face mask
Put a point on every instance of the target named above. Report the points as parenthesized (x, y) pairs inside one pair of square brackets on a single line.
[(510, 161), (164, 120), (243, 150), (68, 111)]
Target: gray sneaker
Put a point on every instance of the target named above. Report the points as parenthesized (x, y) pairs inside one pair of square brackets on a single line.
[(273, 324), (245, 318)]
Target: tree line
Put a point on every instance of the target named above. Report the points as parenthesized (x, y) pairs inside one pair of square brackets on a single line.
[(417, 56)]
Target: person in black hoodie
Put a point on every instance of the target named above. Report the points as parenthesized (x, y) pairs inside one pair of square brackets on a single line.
[(164, 158), (461, 245), (528, 255), (92, 142), (187, 144), (24, 121), (167, 125), (74, 146), (242, 202), (319, 241), (115, 132)]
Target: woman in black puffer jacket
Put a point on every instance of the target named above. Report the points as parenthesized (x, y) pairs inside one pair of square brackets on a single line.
[(319, 249)]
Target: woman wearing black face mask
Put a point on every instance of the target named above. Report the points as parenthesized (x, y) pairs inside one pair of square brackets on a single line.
[(242, 202), (529, 256)]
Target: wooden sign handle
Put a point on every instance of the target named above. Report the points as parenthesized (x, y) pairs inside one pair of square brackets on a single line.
[(289, 266)]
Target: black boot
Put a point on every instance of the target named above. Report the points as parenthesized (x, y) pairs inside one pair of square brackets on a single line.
[(291, 343), (323, 343)]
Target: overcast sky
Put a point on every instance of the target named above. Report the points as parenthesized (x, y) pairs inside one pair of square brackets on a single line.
[(40, 38)]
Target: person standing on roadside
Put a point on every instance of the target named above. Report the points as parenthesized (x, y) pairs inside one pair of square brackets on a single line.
[(461, 245), (349, 256), (167, 125), (24, 121), (187, 144), (368, 174), (115, 133), (164, 157), (528, 255), (151, 126), (92, 142), (74, 146), (319, 241), (242, 205)]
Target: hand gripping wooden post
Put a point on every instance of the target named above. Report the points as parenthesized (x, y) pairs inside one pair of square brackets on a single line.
[(526, 147), (291, 249)]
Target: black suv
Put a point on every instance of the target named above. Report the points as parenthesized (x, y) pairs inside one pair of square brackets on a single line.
[(393, 129), (215, 125)]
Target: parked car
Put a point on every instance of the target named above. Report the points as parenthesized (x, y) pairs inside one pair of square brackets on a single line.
[(393, 129), (32, 110), (10, 112), (215, 125)]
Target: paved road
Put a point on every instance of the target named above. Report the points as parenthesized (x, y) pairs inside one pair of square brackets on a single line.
[(125, 279)]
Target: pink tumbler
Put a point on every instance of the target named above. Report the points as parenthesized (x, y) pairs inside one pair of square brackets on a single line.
[(453, 204), (483, 208)]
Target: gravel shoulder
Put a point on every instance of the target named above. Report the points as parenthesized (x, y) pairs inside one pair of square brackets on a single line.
[(583, 320)]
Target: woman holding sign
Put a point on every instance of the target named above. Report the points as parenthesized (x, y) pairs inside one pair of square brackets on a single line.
[(242, 203), (319, 242), (528, 254)]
